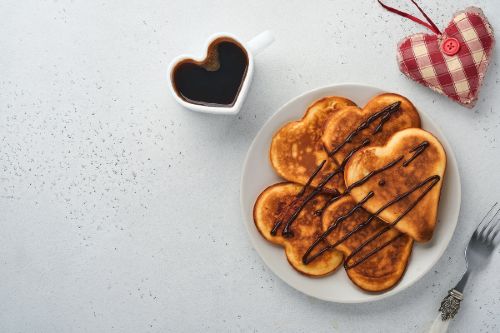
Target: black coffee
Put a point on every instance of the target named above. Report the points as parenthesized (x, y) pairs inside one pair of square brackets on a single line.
[(217, 80)]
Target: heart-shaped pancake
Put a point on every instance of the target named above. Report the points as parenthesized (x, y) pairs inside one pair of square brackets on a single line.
[(381, 117), (217, 79), (274, 204), (391, 249), (297, 150), (405, 177), (453, 64)]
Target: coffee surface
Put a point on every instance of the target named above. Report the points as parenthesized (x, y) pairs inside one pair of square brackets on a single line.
[(217, 80)]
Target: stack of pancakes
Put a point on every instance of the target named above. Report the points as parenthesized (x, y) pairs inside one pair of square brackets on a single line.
[(362, 185)]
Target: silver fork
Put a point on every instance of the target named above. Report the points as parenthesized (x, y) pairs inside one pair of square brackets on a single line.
[(477, 254)]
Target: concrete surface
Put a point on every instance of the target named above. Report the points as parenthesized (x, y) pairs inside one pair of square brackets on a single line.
[(119, 210)]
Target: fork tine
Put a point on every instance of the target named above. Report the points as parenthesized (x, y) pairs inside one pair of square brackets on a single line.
[(494, 234), (494, 230), (491, 226), (476, 232), (483, 232)]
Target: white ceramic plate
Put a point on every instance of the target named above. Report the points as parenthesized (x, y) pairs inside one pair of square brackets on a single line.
[(258, 174)]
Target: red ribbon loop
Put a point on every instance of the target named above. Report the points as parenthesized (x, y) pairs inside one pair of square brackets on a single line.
[(429, 25)]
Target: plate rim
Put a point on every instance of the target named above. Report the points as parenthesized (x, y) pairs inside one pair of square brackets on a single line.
[(374, 297)]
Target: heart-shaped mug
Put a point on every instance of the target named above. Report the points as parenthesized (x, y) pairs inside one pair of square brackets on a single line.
[(232, 80)]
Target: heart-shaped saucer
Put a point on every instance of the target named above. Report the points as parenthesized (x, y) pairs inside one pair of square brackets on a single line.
[(217, 82), (453, 64)]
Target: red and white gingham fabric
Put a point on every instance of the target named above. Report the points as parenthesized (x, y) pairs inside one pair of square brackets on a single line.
[(459, 76)]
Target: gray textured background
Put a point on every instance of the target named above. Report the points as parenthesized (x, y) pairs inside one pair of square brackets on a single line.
[(119, 210)]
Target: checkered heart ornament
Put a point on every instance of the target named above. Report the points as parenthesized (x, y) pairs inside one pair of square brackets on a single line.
[(452, 63)]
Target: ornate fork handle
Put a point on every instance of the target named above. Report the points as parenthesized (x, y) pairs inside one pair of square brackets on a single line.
[(448, 309), (450, 304)]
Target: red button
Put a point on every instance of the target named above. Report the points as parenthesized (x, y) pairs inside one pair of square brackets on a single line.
[(450, 46)]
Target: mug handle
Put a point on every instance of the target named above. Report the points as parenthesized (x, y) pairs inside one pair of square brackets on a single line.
[(260, 42)]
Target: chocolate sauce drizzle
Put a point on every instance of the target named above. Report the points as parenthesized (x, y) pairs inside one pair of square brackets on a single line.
[(358, 183), (309, 181), (417, 150), (307, 258), (432, 181), (286, 230), (371, 253), (384, 114), (344, 217)]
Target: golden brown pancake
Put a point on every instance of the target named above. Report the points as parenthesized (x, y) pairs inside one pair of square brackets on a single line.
[(394, 176), (345, 121), (296, 149), (415, 168), (274, 204), (383, 269)]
